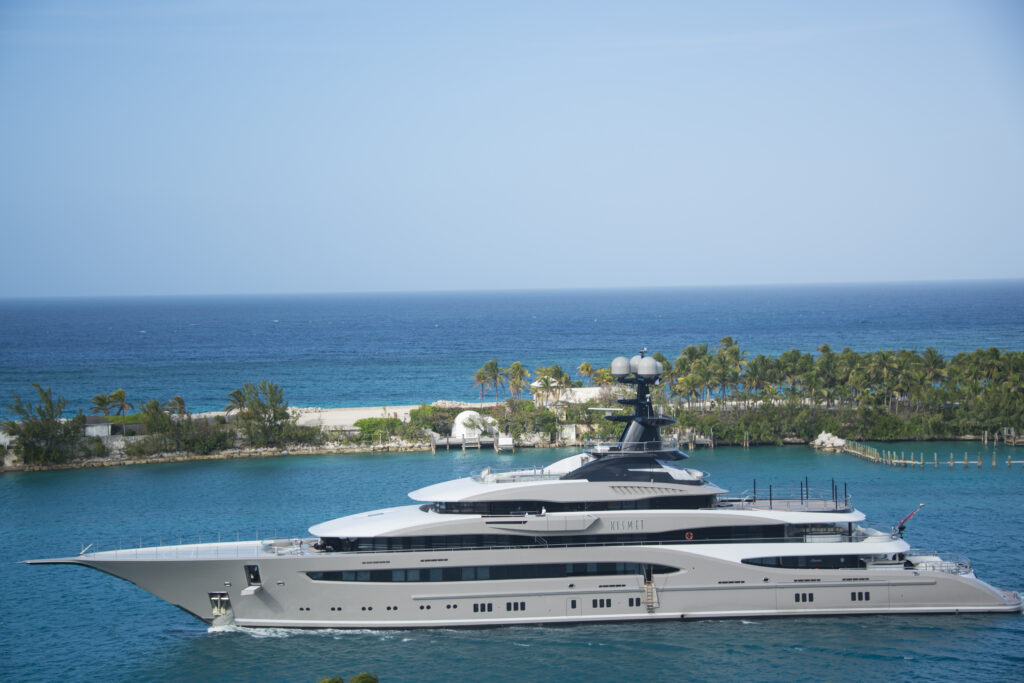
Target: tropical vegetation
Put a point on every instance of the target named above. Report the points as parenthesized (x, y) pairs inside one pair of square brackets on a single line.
[(882, 395), (722, 391), (43, 435)]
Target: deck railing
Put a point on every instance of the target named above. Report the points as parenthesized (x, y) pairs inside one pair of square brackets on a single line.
[(931, 561), (617, 447), (803, 499)]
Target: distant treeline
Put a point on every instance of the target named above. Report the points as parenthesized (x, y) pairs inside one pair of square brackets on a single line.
[(885, 395)]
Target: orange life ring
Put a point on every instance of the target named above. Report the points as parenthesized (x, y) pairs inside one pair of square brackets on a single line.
[(689, 536)]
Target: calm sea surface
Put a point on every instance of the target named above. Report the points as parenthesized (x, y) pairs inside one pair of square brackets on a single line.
[(70, 623), (74, 624)]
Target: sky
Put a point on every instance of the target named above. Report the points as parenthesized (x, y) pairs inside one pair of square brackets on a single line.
[(239, 147)]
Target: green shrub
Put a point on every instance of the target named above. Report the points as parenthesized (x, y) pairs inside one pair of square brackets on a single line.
[(43, 435), (364, 678), (373, 428)]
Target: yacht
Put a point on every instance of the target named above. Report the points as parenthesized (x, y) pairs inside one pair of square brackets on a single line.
[(621, 531)]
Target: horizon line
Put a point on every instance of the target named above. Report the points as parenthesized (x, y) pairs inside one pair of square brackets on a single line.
[(511, 290)]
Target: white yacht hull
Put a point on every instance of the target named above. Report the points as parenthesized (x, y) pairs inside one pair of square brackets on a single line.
[(704, 587)]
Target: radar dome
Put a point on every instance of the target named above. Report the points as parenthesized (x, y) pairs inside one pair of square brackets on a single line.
[(634, 363), (620, 367), (648, 367)]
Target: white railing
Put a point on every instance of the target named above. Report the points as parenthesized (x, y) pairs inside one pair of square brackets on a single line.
[(202, 549), (489, 476), (611, 447), (931, 561)]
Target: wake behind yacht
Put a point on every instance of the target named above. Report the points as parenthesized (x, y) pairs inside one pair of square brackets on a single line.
[(621, 531)]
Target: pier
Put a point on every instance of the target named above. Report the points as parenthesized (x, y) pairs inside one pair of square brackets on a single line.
[(911, 459)]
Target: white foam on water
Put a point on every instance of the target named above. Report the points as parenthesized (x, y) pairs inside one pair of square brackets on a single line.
[(254, 632)]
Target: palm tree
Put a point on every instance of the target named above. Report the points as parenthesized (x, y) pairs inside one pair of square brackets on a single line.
[(516, 376), (118, 401), (176, 405), (544, 387), (825, 367), (689, 386), (495, 377), (586, 371), (480, 380), (236, 402), (101, 403), (758, 374), (882, 366), (789, 368), (933, 365)]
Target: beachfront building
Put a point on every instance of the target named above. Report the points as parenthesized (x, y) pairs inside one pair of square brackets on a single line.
[(549, 395)]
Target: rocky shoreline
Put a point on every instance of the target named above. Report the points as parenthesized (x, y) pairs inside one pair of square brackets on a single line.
[(120, 460), (231, 454)]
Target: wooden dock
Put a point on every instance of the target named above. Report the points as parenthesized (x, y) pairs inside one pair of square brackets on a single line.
[(862, 451), (911, 459), (903, 459), (447, 442)]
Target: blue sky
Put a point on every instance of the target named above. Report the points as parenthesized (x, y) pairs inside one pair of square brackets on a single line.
[(252, 147)]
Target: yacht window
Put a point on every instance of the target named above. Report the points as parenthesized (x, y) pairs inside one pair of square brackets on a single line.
[(252, 574), (492, 572)]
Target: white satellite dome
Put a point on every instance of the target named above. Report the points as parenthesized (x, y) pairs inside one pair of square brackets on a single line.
[(462, 430)]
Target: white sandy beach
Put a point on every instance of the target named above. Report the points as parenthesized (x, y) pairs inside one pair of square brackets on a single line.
[(345, 418)]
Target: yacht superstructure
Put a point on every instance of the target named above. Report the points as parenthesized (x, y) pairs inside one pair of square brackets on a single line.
[(622, 531)]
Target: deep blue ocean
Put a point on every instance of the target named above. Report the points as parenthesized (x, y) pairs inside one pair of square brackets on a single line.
[(70, 623)]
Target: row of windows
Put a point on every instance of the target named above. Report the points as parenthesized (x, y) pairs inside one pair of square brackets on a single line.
[(483, 607), (856, 596), (490, 573), (515, 606), (804, 597), (532, 507), (810, 562), (727, 534)]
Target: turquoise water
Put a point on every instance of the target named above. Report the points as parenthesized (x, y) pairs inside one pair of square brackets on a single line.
[(75, 624)]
